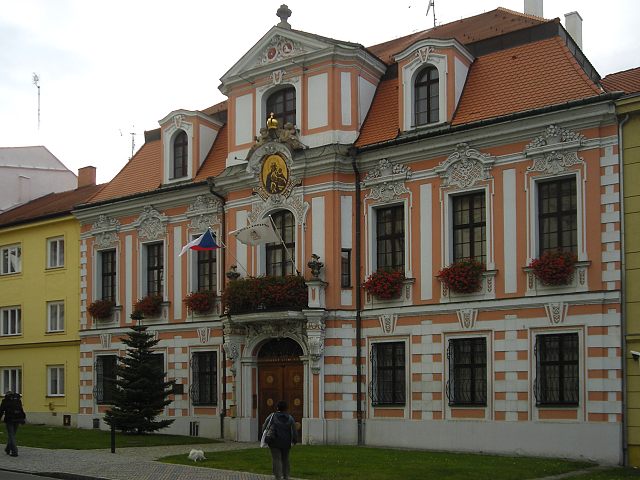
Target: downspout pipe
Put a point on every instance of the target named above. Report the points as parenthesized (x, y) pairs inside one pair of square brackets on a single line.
[(223, 410), (358, 281), (623, 307)]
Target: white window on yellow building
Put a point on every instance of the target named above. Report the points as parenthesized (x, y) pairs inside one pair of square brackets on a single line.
[(10, 259), (55, 381), (10, 321), (55, 252), (55, 316), (11, 379)]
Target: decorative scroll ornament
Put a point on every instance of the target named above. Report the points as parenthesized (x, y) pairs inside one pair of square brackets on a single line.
[(423, 53), (277, 76), (465, 167), (105, 231), (204, 213), (387, 181), (554, 162), (554, 135), (555, 151), (294, 203), (281, 329), (178, 120), (280, 48), (315, 340), (556, 312), (105, 340), (151, 224), (388, 322), (204, 334), (467, 318)]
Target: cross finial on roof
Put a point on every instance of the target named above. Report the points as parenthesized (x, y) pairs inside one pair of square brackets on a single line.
[(284, 13)]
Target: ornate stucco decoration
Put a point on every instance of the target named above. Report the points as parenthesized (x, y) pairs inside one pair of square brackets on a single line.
[(295, 203), (422, 54), (467, 318), (151, 224), (233, 339), (280, 48), (387, 181), (277, 76), (556, 312), (105, 231), (272, 143), (465, 167), (105, 340), (280, 329), (204, 212), (555, 150), (388, 322), (204, 334), (315, 339)]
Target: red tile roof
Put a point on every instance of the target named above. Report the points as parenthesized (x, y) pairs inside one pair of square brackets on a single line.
[(53, 204), (382, 121), (216, 160), (627, 81)]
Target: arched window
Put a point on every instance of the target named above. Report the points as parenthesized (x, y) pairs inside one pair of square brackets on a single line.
[(426, 94), (279, 258), (283, 104), (180, 155)]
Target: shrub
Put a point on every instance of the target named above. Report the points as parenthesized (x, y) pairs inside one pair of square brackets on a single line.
[(253, 294), (200, 302), (384, 284), (554, 267), (101, 309), (149, 305), (463, 276)]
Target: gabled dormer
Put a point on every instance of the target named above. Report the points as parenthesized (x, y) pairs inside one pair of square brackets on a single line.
[(322, 86), (432, 74), (187, 138)]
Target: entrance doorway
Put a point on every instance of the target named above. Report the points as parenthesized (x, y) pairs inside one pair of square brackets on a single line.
[(280, 377)]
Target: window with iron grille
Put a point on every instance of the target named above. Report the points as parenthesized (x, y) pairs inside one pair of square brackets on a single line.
[(557, 369), (467, 384), (469, 227), (390, 238), (388, 383), (345, 268), (155, 269), (108, 274), (204, 379), (278, 255), (207, 271), (180, 155), (558, 215), (427, 96), (105, 387), (283, 105)]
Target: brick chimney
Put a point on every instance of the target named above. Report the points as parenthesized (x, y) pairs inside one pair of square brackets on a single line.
[(533, 7), (86, 177), (573, 25)]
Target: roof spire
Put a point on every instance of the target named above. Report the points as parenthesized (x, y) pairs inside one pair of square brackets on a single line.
[(284, 13)]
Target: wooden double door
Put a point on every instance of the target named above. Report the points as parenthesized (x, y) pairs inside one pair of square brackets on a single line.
[(281, 380)]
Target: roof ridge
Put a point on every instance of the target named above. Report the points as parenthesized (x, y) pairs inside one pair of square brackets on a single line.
[(521, 14), (620, 72)]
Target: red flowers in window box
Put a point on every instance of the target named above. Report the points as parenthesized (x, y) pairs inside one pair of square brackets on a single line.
[(463, 276), (200, 302), (252, 294), (149, 305), (554, 267), (384, 284), (101, 309)]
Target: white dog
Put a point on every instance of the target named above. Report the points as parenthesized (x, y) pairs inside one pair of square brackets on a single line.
[(196, 455)]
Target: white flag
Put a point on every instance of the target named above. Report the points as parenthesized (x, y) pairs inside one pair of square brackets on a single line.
[(256, 234)]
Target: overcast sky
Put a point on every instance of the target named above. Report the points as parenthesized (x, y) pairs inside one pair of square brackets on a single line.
[(111, 68)]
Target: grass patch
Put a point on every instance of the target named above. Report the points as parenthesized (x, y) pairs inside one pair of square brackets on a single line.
[(355, 463), (45, 436), (610, 474)]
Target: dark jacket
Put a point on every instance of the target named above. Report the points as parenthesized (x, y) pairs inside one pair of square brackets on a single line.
[(11, 409), (285, 430)]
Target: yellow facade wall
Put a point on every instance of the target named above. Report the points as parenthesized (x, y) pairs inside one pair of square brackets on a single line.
[(35, 349)]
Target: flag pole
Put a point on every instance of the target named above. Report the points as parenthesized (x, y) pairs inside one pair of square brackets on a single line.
[(237, 261), (291, 259)]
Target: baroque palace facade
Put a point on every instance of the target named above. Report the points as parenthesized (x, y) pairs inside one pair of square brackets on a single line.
[(409, 156)]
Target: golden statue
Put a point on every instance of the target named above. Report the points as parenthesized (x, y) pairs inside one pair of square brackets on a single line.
[(272, 122)]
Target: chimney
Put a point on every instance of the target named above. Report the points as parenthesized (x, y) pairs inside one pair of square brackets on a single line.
[(573, 24), (533, 7), (86, 177)]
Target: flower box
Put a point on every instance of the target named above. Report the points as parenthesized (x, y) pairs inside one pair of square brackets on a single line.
[(463, 276), (200, 302), (554, 267), (252, 294), (149, 305), (385, 285), (101, 309)]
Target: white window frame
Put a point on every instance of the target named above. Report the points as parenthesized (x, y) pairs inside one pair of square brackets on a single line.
[(372, 243), (11, 252), (55, 316), (56, 260), (261, 250), (97, 292), (55, 373), (407, 374), (409, 75), (193, 265), (11, 378), (10, 321), (263, 93), (142, 268), (169, 135)]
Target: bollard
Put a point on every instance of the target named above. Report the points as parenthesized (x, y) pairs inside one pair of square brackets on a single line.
[(113, 438)]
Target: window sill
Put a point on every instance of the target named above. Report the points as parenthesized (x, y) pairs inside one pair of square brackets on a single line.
[(579, 282), (371, 301), (55, 332), (5, 275), (555, 406), (113, 318), (55, 395), (54, 269), (487, 290), (10, 335)]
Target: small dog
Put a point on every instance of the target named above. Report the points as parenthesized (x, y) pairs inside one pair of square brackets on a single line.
[(196, 455)]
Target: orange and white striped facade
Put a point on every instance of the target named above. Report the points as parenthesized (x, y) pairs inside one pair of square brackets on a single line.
[(355, 153)]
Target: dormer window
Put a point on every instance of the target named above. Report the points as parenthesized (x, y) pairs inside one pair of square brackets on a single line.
[(180, 155), (426, 95), (283, 104)]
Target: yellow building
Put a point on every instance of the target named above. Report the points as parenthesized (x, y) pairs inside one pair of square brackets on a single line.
[(628, 110), (39, 303)]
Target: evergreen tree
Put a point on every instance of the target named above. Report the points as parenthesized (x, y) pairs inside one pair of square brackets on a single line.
[(141, 390)]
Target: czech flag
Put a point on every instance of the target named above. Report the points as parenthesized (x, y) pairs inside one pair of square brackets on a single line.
[(206, 241)]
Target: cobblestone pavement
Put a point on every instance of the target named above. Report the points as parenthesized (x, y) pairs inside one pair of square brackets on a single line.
[(126, 464)]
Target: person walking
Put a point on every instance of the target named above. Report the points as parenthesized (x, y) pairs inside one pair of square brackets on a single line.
[(286, 436), (13, 413)]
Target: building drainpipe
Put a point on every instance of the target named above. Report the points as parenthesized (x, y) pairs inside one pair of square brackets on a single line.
[(623, 308), (358, 216), (223, 411)]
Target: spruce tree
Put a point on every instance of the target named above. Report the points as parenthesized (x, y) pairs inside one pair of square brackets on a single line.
[(141, 390)]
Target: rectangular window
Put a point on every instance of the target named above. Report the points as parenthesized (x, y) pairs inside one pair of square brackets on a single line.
[(55, 252), (558, 215), (557, 364), (10, 259), (390, 238), (388, 370), (105, 378), (207, 271), (345, 268), (280, 255), (467, 383), (55, 381), (469, 227), (155, 269), (108, 274), (55, 316), (204, 379), (11, 321), (11, 378)]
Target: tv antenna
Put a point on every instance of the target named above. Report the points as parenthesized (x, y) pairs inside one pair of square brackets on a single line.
[(36, 82), (432, 7), (133, 140)]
